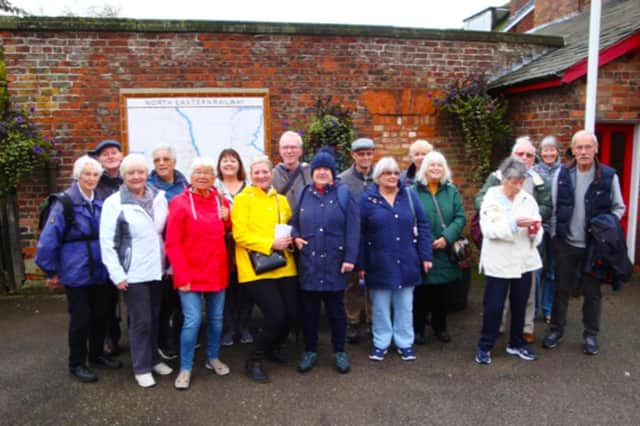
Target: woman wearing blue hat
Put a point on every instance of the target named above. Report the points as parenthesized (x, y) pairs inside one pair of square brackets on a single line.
[(326, 231)]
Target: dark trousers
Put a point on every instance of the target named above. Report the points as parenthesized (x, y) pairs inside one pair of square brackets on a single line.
[(430, 298), (170, 320), (569, 263), (277, 299), (334, 307), (87, 306), (495, 293), (112, 327), (143, 307), (237, 306)]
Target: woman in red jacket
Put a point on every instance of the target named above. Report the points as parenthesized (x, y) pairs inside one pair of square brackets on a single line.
[(195, 243)]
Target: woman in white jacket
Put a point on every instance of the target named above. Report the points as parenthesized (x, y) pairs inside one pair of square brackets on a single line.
[(131, 227), (510, 224)]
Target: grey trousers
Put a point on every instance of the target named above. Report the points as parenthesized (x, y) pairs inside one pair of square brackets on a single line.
[(569, 261), (143, 308)]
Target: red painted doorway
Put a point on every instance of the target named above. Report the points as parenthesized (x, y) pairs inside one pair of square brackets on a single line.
[(616, 150)]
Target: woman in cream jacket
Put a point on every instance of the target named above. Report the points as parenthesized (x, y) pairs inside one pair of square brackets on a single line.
[(510, 224)]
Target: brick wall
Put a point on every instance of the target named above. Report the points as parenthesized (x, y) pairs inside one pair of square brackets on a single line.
[(550, 10), (560, 111), (72, 77)]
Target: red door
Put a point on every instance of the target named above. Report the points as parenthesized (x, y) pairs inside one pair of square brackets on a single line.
[(616, 150)]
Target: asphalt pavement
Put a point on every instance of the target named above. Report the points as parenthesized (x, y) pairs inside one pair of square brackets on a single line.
[(443, 386)]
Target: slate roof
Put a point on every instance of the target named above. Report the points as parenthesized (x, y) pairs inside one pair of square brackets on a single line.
[(619, 20)]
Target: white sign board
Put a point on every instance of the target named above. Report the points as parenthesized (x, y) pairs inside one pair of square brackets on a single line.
[(196, 126)]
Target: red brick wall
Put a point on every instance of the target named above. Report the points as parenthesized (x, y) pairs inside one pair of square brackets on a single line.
[(525, 24), (560, 111), (73, 79), (550, 10)]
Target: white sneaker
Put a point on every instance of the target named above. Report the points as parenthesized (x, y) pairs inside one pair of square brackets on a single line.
[(145, 380), (183, 380), (162, 369), (219, 367)]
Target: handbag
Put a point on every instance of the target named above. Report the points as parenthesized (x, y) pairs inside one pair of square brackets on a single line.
[(268, 262), (460, 249)]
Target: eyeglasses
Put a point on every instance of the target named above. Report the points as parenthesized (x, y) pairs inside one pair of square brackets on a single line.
[(525, 154), (290, 147), (390, 172)]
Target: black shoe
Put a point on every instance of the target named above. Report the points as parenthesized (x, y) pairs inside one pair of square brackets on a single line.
[(278, 355), (254, 371), (353, 333), (590, 345), (443, 336), (551, 340), (83, 374), (107, 362), (419, 339)]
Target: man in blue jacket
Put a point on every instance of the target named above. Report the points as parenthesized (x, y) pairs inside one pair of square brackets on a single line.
[(581, 190), (165, 177)]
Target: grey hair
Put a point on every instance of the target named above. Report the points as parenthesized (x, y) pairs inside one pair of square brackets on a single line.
[(523, 140), (204, 162), (385, 164), (133, 160), (430, 158), (81, 163), (260, 159), (420, 143), (583, 132), (512, 168), (169, 149), (292, 134)]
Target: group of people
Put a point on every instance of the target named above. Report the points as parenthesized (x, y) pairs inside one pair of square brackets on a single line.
[(371, 243)]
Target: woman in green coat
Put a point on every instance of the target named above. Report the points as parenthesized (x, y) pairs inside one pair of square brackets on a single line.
[(436, 192)]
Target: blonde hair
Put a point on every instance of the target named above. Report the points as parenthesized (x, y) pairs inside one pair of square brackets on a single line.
[(433, 157), (260, 159), (420, 143)]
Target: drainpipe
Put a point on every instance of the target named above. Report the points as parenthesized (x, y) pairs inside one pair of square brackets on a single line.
[(592, 65)]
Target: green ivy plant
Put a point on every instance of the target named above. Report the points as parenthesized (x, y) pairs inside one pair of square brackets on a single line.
[(23, 148), (481, 119), (332, 126)]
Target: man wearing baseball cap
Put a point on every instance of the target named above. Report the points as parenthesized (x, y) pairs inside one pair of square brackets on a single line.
[(109, 154), (357, 178)]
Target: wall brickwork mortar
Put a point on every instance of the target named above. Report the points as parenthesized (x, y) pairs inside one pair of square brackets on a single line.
[(73, 79)]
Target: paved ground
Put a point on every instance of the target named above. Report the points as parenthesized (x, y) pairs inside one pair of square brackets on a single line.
[(444, 386)]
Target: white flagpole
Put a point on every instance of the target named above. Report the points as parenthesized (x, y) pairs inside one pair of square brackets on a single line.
[(592, 66)]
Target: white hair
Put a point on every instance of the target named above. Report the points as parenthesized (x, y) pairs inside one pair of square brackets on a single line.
[(582, 133), (133, 160), (204, 162), (385, 164), (291, 134), (83, 162), (260, 159), (169, 149), (522, 141), (430, 158)]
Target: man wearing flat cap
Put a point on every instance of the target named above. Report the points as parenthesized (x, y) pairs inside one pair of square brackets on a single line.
[(357, 178), (109, 154)]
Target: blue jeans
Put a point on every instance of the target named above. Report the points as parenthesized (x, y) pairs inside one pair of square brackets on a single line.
[(192, 311), (383, 328)]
